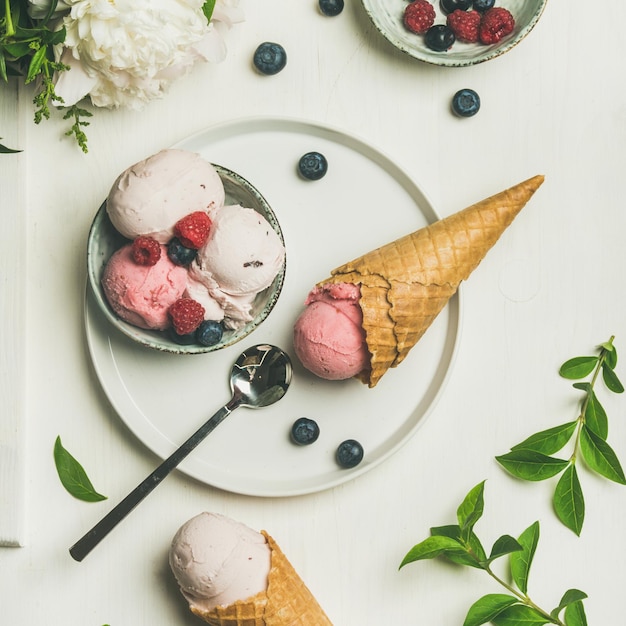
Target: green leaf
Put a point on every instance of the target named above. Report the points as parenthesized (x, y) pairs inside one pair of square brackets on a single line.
[(519, 615), (207, 9), (73, 476), (595, 416), (548, 441), (600, 457), (521, 561), (504, 545), (531, 465), (578, 367), (569, 597), (575, 614), (568, 500), (485, 609), (476, 554), (611, 380), (430, 548), (471, 509), (610, 354), (5, 150), (35, 64)]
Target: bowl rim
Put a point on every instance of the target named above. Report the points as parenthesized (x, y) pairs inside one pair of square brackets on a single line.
[(157, 340), (445, 60)]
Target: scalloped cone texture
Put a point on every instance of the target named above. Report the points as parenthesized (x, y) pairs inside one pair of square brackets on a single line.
[(286, 602), (406, 283)]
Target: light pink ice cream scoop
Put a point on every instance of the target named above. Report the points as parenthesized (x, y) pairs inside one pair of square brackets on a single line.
[(141, 294), (328, 336), (149, 197), (218, 561)]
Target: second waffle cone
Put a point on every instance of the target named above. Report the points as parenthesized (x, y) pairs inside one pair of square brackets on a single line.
[(406, 283)]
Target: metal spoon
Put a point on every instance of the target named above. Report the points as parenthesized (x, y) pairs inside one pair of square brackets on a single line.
[(259, 377)]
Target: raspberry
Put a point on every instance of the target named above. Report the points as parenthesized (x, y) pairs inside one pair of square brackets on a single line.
[(419, 16), (187, 315), (146, 251), (464, 25), (496, 24), (193, 229)]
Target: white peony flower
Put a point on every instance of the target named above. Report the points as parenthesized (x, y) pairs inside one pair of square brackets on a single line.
[(127, 52)]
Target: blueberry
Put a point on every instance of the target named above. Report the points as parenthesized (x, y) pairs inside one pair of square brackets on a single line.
[(179, 254), (331, 7), (439, 37), (465, 103), (209, 333), (447, 6), (349, 453), (483, 5), (270, 58), (183, 340), (313, 165), (304, 431)]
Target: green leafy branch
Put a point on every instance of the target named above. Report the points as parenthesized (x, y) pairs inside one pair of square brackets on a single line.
[(27, 50), (533, 459), (459, 544)]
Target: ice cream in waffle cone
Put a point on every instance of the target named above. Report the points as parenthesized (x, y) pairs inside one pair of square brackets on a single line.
[(212, 558), (405, 284)]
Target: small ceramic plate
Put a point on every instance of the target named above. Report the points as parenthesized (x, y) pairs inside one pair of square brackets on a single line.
[(387, 16), (104, 240)]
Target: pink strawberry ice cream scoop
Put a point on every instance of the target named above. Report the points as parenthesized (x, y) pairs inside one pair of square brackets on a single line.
[(328, 336), (142, 294)]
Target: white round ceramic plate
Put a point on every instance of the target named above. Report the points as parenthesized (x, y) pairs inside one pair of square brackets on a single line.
[(387, 15), (363, 201)]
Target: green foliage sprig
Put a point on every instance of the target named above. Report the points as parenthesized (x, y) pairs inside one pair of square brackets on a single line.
[(459, 544), (27, 51), (533, 459)]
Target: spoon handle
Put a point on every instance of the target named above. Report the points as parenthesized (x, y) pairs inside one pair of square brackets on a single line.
[(93, 537)]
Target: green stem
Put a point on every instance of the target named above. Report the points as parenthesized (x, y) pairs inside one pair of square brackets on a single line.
[(523, 597), (585, 404)]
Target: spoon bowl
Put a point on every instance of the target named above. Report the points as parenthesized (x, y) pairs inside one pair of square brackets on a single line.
[(259, 377)]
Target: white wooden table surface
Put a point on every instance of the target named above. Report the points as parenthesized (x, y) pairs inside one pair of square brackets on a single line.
[(551, 289)]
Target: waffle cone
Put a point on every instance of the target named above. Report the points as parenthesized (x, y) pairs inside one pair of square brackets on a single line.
[(406, 283), (286, 602)]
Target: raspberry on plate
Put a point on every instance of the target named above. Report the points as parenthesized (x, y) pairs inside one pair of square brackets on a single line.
[(419, 16), (193, 229), (146, 250), (464, 25), (187, 315), (495, 24)]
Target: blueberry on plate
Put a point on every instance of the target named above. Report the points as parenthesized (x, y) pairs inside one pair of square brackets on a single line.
[(270, 58), (439, 37), (483, 5), (313, 165), (447, 6), (349, 453), (179, 254), (304, 431), (465, 103), (331, 7), (209, 333)]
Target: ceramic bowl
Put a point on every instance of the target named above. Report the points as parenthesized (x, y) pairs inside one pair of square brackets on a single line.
[(104, 240), (387, 16)]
